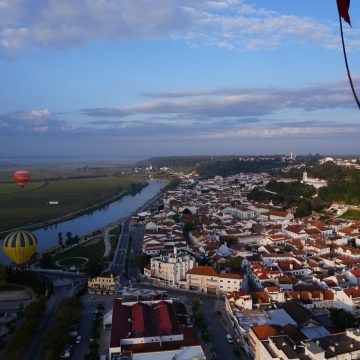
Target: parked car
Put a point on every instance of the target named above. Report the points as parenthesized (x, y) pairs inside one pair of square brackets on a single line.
[(78, 339), (65, 354), (229, 339)]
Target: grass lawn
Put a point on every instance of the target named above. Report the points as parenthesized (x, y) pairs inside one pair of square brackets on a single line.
[(72, 262), (351, 215), (29, 207), (90, 251)]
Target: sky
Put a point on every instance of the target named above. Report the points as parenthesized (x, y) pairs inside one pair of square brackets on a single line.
[(169, 77)]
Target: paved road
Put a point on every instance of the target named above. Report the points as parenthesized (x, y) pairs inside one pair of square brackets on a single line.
[(121, 249), (137, 232), (36, 350), (84, 331)]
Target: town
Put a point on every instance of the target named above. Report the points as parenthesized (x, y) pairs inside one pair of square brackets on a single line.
[(282, 287)]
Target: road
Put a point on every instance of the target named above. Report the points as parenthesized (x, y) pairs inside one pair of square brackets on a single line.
[(62, 289), (84, 331), (121, 249), (137, 232)]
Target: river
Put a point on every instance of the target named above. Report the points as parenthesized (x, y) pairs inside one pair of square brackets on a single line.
[(87, 223)]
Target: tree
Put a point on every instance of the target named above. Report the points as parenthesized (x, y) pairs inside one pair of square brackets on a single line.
[(235, 263), (94, 267), (304, 209), (46, 261), (69, 239), (342, 319), (188, 227), (352, 243), (195, 305), (60, 239)]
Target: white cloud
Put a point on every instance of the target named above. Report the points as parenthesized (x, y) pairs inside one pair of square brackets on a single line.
[(41, 120), (241, 102), (228, 24), (280, 132)]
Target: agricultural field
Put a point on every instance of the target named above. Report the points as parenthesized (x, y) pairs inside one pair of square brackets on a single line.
[(351, 215), (8, 188), (27, 207)]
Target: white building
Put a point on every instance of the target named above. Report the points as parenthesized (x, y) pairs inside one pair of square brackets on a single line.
[(171, 269), (316, 183)]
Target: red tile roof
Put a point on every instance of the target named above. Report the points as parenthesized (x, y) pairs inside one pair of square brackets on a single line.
[(263, 332), (230, 276), (203, 270), (354, 292)]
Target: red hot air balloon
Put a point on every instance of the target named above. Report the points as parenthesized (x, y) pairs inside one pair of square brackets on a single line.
[(22, 177)]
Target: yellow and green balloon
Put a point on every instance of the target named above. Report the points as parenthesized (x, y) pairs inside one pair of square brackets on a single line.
[(20, 246)]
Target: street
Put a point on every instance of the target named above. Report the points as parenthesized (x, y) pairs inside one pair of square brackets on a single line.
[(121, 249), (62, 289)]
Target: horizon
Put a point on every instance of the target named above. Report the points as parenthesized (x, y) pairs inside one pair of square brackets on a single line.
[(33, 161)]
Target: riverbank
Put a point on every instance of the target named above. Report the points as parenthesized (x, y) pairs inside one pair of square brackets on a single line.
[(132, 190), (94, 222)]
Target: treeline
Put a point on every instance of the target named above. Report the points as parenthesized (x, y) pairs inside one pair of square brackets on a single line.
[(343, 183), (58, 336), (234, 166), (172, 184), (285, 194), (17, 347), (293, 194)]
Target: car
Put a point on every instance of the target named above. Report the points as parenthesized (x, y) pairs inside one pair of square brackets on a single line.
[(78, 339), (229, 339), (65, 354)]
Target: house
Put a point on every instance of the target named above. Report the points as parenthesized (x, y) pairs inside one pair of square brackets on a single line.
[(239, 299), (203, 279), (206, 279), (348, 299), (103, 284), (172, 268)]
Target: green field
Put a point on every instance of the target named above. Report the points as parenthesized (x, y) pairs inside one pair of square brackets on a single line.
[(88, 251), (8, 188), (351, 215), (28, 207)]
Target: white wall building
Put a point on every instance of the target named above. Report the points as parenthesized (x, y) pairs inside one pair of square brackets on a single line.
[(171, 269)]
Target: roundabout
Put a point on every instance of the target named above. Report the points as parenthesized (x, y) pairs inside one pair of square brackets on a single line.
[(76, 261)]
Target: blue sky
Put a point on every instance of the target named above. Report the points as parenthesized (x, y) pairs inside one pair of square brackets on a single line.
[(166, 77)]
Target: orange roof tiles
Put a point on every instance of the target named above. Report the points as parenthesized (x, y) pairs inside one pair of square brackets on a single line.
[(230, 276), (203, 270), (353, 292), (263, 332)]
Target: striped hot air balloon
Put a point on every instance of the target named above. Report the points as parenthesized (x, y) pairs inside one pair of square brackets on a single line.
[(20, 246)]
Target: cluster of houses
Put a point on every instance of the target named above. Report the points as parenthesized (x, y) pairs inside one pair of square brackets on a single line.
[(281, 277)]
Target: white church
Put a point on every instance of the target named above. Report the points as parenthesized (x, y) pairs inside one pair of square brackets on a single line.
[(315, 182)]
